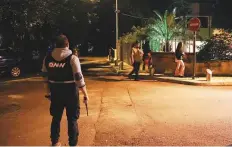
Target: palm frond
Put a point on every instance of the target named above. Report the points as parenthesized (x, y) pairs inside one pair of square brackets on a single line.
[(165, 28), (158, 14)]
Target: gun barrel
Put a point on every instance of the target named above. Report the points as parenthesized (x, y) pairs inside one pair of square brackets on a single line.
[(87, 110), (86, 106)]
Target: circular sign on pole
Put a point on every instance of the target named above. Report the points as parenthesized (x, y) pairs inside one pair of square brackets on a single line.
[(194, 24)]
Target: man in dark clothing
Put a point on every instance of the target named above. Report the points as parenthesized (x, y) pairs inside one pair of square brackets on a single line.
[(62, 71)]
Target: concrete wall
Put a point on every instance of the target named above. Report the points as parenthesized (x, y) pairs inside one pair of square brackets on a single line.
[(126, 49), (164, 63)]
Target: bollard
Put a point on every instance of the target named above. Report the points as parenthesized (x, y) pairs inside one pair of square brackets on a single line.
[(208, 75)]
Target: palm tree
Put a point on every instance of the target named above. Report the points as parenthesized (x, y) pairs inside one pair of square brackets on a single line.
[(164, 28)]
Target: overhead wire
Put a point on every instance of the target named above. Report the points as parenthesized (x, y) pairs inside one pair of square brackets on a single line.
[(132, 16)]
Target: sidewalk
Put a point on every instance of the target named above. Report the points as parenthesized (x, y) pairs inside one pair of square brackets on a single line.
[(126, 69), (198, 81)]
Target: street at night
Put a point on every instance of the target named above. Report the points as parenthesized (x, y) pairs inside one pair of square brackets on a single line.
[(121, 112)]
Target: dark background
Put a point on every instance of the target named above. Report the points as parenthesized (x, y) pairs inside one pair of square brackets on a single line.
[(101, 32)]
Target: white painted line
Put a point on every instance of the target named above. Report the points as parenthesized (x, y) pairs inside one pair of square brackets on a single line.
[(15, 96)]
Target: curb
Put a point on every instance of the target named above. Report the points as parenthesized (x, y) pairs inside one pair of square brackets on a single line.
[(122, 72), (114, 69), (193, 83), (119, 72)]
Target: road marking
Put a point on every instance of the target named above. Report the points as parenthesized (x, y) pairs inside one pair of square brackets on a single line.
[(15, 96)]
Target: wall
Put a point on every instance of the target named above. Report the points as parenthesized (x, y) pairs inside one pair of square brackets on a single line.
[(126, 49), (164, 63)]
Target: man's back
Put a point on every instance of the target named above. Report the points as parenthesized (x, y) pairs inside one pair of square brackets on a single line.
[(136, 55), (62, 71)]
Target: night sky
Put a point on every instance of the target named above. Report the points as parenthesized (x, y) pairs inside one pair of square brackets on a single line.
[(102, 33), (219, 9)]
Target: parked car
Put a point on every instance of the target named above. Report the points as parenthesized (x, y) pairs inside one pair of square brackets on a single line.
[(10, 63)]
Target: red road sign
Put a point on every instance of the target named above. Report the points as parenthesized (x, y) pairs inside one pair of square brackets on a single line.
[(194, 24)]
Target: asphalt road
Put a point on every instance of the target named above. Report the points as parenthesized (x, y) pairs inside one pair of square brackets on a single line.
[(122, 112)]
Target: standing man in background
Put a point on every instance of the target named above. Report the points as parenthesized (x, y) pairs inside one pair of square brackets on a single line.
[(136, 59), (62, 71)]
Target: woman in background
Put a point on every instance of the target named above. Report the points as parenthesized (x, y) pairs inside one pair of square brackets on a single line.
[(179, 54)]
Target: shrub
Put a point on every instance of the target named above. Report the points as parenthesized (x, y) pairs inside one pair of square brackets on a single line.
[(217, 47), (137, 34)]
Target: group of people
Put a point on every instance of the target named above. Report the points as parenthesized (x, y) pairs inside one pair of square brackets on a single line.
[(137, 57)]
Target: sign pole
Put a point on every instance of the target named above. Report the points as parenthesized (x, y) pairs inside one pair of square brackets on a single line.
[(194, 25), (194, 57)]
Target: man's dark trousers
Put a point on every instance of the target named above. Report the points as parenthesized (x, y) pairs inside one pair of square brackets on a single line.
[(64, 96), (136, 66)]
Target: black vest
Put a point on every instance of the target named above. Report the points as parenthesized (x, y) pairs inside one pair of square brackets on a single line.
[(59, 71)]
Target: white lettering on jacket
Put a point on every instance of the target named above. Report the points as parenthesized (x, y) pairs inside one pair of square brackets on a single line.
[(56, 65)]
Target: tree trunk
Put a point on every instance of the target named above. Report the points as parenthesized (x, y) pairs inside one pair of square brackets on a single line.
[(167, 46)]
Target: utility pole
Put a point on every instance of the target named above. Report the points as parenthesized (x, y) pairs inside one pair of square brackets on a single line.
[(116, 12), (119, 50)]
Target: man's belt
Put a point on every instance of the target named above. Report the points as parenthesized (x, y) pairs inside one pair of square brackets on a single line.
[(61, 82)]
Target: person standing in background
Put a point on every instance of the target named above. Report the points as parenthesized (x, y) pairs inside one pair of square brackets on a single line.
[(179, 54), (136, 59)]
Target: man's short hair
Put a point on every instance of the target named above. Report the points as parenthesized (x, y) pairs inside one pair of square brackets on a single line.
[(62, 41)]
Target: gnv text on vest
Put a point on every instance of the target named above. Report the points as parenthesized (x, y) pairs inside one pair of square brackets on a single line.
[(57, 65)]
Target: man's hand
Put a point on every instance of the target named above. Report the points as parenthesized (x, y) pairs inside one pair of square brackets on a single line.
[(85, 99), (86, 104), (48, 96), (132, 61)]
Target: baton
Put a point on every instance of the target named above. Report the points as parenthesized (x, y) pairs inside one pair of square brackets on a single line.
[(86, 106)]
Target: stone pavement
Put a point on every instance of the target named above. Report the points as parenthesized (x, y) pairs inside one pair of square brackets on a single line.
[(198, 81)]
